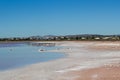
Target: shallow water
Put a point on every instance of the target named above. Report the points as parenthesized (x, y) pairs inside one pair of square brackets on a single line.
[(14, 55)]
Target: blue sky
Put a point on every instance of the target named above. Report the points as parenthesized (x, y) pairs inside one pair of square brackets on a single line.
[(21, 18)]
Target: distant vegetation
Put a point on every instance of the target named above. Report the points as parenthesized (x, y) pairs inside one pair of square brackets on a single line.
[(86, 37)]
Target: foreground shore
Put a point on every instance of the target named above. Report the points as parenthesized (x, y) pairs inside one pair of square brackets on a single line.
[(84, 61)]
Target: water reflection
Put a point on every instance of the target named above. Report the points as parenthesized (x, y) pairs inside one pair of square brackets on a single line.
[(42, 44), (11, 44), (14, 55)]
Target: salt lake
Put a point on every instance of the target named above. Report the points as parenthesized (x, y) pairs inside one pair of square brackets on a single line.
[(20, 54)]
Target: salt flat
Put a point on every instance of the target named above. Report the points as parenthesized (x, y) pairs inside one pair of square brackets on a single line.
[(80, 56)]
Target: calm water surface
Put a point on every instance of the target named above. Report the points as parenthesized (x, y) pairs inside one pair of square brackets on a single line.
[(14, 55)]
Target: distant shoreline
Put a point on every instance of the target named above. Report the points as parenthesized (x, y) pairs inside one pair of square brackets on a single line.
[(69, 41), (81, 37)]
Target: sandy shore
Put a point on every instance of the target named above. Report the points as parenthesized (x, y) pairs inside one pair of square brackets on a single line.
[(94, 59), (108, 72)]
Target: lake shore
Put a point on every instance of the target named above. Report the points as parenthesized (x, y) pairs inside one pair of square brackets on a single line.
[(84, 57)]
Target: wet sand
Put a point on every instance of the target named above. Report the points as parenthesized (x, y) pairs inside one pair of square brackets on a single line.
[(84, 59)]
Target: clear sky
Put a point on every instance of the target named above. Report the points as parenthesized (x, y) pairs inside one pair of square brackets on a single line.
[(20, 18)]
